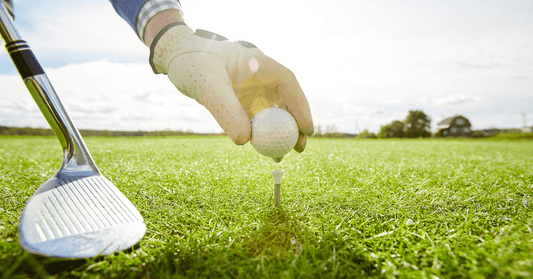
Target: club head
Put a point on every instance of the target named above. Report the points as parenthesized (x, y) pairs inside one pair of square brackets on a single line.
[(79, 217)]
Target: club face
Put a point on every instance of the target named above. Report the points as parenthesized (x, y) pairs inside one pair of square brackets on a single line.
[(79, 217)]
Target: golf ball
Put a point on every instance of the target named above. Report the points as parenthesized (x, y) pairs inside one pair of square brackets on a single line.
[(274, 132)]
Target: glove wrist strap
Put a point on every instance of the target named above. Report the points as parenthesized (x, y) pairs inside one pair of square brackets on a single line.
[(156, 39)]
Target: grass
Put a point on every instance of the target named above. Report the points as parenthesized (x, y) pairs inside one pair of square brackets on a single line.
[(513, 136), (350, 208)]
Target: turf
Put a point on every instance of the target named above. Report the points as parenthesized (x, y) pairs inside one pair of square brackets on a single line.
[(350, 208)]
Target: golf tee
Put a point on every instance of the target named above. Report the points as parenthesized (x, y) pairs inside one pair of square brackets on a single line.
[(277, 193), (277, 175)]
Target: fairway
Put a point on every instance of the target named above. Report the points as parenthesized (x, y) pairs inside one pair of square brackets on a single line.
[(349, 208)]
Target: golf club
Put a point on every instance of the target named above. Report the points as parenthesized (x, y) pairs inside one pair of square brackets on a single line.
[(77, 213)]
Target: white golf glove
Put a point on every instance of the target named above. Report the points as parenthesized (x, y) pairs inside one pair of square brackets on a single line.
[(233, 80)]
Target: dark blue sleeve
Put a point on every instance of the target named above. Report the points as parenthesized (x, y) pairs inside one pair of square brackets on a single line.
[(128, 9)]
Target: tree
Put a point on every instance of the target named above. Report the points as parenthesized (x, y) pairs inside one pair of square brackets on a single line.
[(417, 124), (393, 130), (318, 131), (331, 129), (367, 135)]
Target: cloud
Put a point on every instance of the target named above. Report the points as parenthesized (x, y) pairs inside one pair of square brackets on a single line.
[(450, 100), (96, 97), (147, 97), (66, 32), (93, 108), (25, 105), (350, 109)]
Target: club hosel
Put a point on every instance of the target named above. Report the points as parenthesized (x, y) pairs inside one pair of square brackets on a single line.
[(57, 117), (39, 87)]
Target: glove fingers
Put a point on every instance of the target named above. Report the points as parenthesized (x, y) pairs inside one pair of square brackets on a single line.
[(222, 103), (294, 98), (301, 143), (291, 94), (204, 78)]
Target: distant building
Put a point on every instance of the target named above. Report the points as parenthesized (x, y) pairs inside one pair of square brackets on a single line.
[(455, 126), (527, 129)]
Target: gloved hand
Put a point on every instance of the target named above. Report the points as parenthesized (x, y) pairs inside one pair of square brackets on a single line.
[(233, 80)]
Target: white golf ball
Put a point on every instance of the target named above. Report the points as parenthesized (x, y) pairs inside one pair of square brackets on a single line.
[(274, 132)]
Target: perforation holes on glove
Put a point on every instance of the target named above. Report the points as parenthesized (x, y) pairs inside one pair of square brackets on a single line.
[(199, 82)]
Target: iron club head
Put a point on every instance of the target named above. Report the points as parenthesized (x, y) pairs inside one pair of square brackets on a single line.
[(79, 217)]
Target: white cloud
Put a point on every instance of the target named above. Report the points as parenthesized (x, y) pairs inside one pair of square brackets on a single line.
[(79, 31), (349, 109), (98, 98), (450, 100), (25, 105)]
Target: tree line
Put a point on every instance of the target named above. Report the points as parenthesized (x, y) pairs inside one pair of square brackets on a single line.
[(29, 131), (416, 125), (330, 131)]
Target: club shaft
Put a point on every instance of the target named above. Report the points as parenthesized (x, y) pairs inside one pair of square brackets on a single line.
[(38, 84), (9, 33)]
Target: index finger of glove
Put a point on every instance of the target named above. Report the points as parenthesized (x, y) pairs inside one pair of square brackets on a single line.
[(225, 107), (203, 77)]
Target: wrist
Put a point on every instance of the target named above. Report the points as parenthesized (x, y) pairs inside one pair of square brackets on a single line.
[(167, 44), (160, 21)]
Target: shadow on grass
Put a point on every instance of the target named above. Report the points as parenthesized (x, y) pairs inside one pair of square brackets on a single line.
[(36, 266), (285, 240), (282, 245), (278, 235)]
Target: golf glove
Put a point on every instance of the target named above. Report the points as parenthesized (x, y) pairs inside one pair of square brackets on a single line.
[(233, 80)]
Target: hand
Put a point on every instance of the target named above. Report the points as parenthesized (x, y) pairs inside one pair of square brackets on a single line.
[(233, 80)]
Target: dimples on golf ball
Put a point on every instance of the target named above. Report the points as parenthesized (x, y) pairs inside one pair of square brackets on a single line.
[(274, 132)]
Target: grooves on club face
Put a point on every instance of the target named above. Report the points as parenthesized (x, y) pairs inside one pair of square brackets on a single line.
[(78, 218)]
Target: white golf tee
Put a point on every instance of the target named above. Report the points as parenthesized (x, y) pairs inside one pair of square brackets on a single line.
[(277, 174)]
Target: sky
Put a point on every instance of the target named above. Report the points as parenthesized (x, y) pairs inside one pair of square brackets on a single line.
[(361, 64)]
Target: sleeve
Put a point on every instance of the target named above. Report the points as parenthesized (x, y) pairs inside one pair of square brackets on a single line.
[(137, 13)]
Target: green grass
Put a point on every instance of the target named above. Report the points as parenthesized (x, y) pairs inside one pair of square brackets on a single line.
[(209, 208), (513, 136)]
